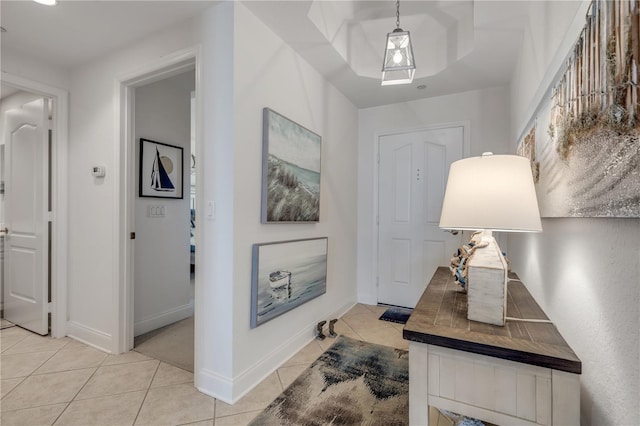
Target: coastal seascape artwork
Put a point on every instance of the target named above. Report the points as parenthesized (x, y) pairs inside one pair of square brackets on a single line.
[(161, 168), (290, 171), (584, 145), (285, 275)]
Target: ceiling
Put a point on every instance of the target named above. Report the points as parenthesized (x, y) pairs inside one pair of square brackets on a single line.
[(459, 45)]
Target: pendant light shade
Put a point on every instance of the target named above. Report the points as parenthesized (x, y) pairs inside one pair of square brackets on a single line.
[(398, 66)]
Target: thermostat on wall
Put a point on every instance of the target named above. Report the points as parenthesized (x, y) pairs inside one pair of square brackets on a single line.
[(98, 171)]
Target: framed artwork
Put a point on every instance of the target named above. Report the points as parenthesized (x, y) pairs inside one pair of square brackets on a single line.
[(290, 171), (527, 148), (584, 141), (160, 170), (285, 275)]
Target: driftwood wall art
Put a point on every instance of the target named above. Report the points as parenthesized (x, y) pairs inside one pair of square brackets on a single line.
[(587, 159)]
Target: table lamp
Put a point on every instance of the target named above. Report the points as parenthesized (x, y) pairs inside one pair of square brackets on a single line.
[(489, 193)]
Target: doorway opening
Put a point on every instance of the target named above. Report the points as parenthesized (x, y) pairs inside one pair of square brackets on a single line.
[(164, 219), (159, 215)]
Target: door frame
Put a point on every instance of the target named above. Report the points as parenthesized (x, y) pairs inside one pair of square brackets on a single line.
[(168, 66), (466, 152), (59, 194)]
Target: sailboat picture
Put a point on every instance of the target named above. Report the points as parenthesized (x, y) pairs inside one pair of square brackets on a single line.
[(160, 180), (160, 169)]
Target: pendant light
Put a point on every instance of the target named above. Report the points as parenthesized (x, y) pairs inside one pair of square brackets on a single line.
[(398, 66)]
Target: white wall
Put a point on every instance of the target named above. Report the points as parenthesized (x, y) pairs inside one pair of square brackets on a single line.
[(95, 139), (553, 27), (214, 302), (163, 292), (93, 284), (487, 114), (584, 273), (23, 65), (268, 73)]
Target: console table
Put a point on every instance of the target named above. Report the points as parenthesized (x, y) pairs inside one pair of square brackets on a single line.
[(523, 373)]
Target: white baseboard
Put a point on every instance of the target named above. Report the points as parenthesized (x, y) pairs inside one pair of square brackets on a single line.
[(250, 378), (89, 336), (214, 385), (165, 318)]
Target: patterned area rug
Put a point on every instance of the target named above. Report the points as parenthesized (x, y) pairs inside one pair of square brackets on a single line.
[(396, 314), (352, 383)]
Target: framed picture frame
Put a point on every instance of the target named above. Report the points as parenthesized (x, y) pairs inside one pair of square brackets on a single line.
[(291, 157), (285, 275), (161, 170)]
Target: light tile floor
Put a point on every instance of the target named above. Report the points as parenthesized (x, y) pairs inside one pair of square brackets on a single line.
[(46, 381)]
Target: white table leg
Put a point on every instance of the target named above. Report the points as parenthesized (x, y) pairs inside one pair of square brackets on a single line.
[(566, 398), (418, 384)]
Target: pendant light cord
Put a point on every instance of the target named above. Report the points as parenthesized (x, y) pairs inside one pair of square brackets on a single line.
[(397, 13)]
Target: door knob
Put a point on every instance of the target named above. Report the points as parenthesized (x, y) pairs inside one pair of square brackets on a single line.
[(4, 231)]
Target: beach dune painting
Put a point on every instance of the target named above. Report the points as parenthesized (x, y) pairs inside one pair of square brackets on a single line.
[(290, 171), (285, 275)]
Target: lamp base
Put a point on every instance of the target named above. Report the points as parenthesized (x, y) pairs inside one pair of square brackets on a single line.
[(487, 284)]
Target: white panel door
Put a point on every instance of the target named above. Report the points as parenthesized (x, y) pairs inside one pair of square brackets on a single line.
[(26, 272), (412, 177)]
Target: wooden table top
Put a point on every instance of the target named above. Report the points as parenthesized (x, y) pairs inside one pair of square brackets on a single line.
[(440, 318)]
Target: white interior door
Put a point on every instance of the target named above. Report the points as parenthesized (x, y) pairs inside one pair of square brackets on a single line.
[(412, 177), (26, 271)]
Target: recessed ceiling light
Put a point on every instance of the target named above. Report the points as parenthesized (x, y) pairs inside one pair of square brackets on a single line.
[(421, 87), (47, 2)]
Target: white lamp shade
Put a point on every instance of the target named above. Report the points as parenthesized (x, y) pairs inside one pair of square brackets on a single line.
[(492, 192)]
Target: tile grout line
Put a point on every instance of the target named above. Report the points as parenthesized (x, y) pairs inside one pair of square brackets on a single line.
[(35, 372), (354, 332), (135, 419), (55, 351), (77, 393), (18, 384), (345, 324), (30, 374), (68, 403), (197, 421), (5, 349), (215, 401), (280, 379), (91, 376), (40, 406)]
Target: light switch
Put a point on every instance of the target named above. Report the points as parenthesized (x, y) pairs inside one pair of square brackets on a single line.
[(155, 211)]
